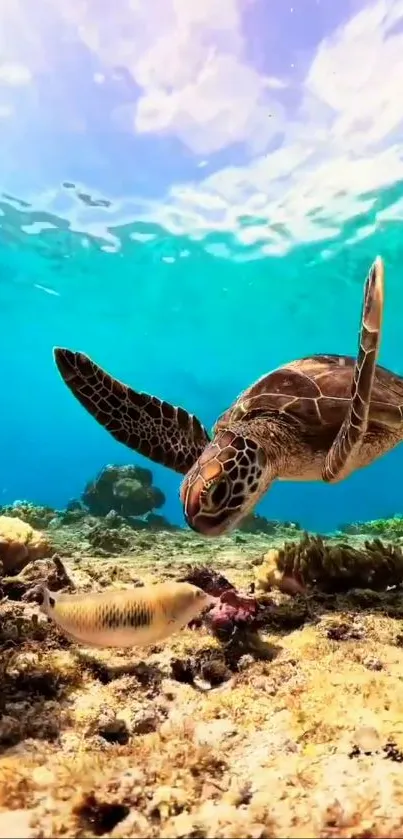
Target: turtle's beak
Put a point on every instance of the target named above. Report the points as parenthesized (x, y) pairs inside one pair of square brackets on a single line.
[(209, 525)]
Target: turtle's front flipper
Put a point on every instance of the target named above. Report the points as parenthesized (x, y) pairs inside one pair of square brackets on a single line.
[(340, 459), (154, 428)]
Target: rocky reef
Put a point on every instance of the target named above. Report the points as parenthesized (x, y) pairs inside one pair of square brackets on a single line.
[(113, 507), (387, 528), (274, 716), (128, 490), (34, 515), (120, 499), (255, 523)]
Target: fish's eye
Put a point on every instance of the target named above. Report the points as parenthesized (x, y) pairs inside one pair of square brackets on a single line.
[(52, 602)]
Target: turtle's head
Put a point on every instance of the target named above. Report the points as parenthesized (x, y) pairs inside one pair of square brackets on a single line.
[(225, 483)]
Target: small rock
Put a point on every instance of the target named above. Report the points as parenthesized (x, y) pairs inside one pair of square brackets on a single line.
[(114, 519), (109, 727), (345, 631), (238, 793), (42, 777), (55, 524), (114, 731), (169, 689), (263, 684), (97, 743), (392, 752), (215, 672), (182, 671), (181, 827), (10, 730), (178, 721), (145, 721), (367, 739), (372, 663), (130, 783), (167, 801), (214, 732), (135, 824), (245, 661)]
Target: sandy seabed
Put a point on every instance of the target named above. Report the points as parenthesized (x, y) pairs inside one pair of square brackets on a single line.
[(300, 737)]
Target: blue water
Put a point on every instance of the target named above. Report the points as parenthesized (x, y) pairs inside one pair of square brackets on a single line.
[(193, 321)]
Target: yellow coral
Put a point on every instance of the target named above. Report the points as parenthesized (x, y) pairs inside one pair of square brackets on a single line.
[(20, 544), (270, 575)]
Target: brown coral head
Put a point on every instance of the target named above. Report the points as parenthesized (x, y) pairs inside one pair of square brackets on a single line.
[(209, 580)]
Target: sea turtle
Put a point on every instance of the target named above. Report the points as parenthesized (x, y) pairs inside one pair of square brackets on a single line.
[(317, 418)]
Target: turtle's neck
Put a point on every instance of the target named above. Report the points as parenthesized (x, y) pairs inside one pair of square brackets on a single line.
[(274, 437)]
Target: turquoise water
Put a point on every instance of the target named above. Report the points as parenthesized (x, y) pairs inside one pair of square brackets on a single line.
[(193, 320)]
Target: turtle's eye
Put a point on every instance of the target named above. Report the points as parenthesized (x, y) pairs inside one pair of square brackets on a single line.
[(219, 493)]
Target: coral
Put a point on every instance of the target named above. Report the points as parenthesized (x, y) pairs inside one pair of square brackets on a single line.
[(233, 611), (191, 737), (209, 580), (20, 544), (32, 687), (153, 521), (254, 523), (330, 566), (235, 617), (74, 512), (388, 528), (37, 516), (22, 586), (108, 540), (126, 489)]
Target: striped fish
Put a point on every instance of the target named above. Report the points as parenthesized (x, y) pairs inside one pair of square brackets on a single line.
[(127, 617)]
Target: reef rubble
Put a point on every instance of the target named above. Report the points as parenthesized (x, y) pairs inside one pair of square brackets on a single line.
[(278, 714)]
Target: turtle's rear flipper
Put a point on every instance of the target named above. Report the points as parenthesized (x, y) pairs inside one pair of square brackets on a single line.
[(154, 428), (340, 459)]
